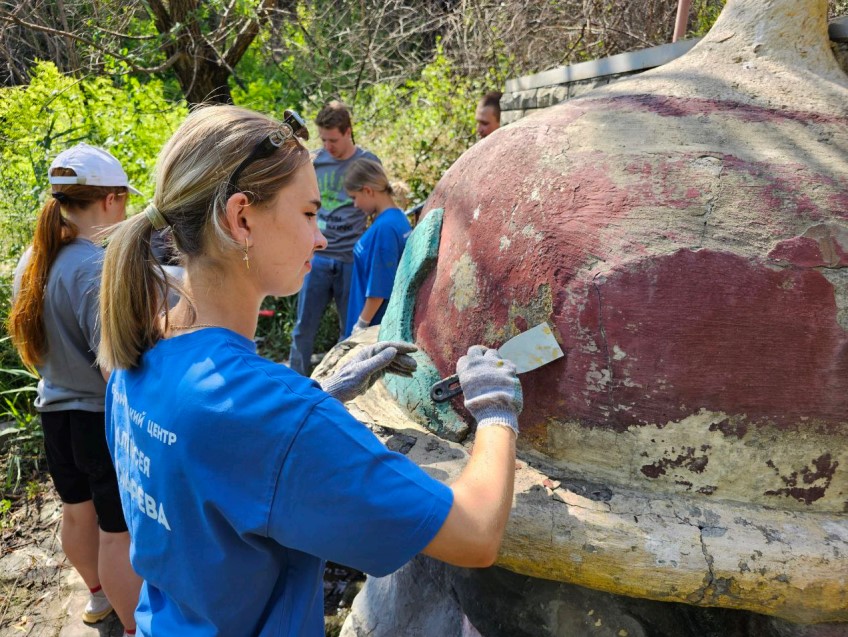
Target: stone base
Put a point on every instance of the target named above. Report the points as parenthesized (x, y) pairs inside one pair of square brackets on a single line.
[(427, 598)]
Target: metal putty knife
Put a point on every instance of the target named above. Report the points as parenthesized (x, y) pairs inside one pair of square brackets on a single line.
[(531, 349)]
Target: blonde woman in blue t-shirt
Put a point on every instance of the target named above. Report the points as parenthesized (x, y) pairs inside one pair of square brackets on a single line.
[(377, 253), (239, 476)]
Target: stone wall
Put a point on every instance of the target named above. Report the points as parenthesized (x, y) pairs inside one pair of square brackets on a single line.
[(526, 94)]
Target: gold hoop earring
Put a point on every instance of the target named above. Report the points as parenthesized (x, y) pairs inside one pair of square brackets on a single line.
[(246, 258)]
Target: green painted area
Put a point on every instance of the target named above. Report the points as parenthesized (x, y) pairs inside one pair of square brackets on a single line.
[(418, 260)]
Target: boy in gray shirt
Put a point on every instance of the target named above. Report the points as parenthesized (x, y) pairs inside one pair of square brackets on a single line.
[(342, 224)]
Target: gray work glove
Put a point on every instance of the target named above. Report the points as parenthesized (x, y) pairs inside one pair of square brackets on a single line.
[(491, 387), (367, 365), (360, 325)]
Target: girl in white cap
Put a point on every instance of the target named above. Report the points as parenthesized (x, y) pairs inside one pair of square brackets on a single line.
[(239, 476), (54, 325)]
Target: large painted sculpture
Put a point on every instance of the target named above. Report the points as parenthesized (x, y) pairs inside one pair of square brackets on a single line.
[(685, 231)]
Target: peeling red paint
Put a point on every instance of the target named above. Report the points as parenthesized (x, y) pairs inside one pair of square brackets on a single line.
[(728, 428), (687, 460), (820, 246), (655, 327), (825, 467)]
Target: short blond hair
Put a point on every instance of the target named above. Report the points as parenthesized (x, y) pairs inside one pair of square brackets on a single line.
[(367, 172)]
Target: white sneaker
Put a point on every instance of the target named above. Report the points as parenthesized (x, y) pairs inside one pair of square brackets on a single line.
[(97, 608)]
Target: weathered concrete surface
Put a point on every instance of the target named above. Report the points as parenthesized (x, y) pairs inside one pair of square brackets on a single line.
[(686, 232), (541, 608), (410, 602), (677, 547), (427, 597)]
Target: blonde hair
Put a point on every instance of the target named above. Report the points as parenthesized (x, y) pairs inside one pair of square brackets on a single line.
[(401, 192), (367, 172), (192, 175), (53, 231)]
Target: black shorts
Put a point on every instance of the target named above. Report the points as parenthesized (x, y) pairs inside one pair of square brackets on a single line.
[(80, 465)]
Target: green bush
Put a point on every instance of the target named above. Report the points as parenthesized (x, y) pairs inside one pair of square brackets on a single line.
[(131, 119), (273, 333)]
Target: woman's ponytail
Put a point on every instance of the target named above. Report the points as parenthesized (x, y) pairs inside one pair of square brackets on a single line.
[(133, 293), (26, 319)]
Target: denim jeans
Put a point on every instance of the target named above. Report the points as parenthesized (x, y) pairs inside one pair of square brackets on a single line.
[(329, 279)]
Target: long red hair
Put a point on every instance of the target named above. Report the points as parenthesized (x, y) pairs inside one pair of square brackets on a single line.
[(52, 232)]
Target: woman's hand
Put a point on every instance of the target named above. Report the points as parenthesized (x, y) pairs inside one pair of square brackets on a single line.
[(367, 365), (482, 495), (491, 388)]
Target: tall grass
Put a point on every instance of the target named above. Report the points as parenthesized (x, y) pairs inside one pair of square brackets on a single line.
[(21, 436)]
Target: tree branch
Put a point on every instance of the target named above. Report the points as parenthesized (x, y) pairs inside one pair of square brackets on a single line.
[(248, 34), (58, 32)]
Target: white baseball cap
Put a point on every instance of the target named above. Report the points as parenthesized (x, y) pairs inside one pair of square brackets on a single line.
[(93, 167)]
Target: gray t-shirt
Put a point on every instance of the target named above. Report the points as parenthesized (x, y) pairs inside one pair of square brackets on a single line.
[(70, 379), (338, 219)]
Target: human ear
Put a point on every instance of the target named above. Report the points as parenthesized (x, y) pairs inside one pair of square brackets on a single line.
[(238, 217)]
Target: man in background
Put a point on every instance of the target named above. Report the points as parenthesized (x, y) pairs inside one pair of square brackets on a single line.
[(342, 224), (488, 114)]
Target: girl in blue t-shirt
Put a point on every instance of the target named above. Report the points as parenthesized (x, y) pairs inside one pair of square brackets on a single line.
[(377, 253), (239, 476)]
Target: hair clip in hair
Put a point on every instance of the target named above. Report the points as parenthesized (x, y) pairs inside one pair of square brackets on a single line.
[(292, 127), (279, 136), (156, 218)]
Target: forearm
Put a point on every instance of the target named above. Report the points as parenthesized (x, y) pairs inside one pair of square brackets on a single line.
[(472, 533), (372, 306)]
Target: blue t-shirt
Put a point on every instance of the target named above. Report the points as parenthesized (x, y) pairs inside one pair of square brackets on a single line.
[(239, 477), (375, 262)]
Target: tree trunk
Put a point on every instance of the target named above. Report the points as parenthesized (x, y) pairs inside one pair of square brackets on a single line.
[(203, 81)]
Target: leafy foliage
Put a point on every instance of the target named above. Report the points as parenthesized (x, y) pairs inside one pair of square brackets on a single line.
[(130, 117), (420, 127), (703, 15)]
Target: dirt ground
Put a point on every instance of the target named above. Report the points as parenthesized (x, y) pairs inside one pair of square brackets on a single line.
[(41, 595)]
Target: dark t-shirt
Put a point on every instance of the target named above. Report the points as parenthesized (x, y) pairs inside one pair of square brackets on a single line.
[(338, 219)]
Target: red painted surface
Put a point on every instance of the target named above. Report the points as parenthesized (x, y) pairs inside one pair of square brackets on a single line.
[(617, 241), (708, 330), (666, 106), (820, 247)]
